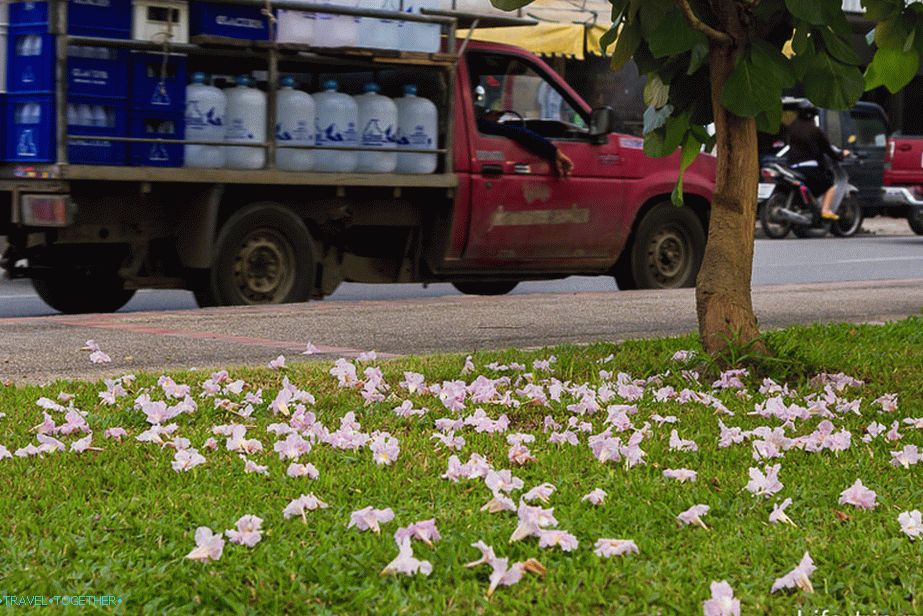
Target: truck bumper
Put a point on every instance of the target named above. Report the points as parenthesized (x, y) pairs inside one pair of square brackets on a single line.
[(909, 197)]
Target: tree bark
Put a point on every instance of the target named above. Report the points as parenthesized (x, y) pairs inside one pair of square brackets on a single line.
[(723, 289)]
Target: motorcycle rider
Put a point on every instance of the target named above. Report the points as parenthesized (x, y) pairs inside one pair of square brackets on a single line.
[(809, 151)]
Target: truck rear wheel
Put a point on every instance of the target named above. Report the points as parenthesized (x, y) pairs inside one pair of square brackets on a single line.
[(262, 256), (915, 221), (495, 287), (668, 248), (82, 280)]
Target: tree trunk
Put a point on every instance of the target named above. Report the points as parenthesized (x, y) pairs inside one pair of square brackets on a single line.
[(723, 288)]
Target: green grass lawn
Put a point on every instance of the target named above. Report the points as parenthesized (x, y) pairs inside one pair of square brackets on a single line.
[(121, 521)]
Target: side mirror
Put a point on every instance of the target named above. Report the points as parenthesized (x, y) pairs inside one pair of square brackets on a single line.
[(602, 122)]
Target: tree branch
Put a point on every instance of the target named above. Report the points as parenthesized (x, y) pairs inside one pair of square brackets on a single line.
[(722, 38)]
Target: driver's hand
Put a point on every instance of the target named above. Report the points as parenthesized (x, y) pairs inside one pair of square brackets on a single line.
[(563, 165), (846, 153)]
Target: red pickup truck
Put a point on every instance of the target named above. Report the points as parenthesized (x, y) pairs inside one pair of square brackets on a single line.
[(492, 215), (903, 179)]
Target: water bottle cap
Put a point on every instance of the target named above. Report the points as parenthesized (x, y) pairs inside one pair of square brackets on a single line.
[(198, 77), (243, 80), (410, 90), (331, 84), (287, 82), (371, 87)]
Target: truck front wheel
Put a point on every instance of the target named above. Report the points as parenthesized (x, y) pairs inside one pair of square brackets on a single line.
[(262, 256), (668, 248), (82, 280), (494, 287)]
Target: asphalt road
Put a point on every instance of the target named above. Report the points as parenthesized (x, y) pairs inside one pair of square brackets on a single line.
[(775, 262)]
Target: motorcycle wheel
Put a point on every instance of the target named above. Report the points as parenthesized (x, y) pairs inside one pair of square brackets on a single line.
[(809, 233), (773, 227), (850, 219)]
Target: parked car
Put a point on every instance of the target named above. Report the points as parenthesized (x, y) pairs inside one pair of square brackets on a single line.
[(903, 180)]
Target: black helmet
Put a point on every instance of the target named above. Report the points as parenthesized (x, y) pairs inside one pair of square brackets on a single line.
[(806, 109)]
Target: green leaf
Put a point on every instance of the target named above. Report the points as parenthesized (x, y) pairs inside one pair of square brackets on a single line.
[(748, 91), (656, 118), (769, 60), (608, 37), (656, 92), (878, 10), (892, 68), (651, 15), (768, 120), (691, 148), (625, 46), (811, 11), (839, 47), (697, 58), (832, 84), (653, 143), (802, 44), (618, 7), (891, 33), (673, 36), (510, 5)]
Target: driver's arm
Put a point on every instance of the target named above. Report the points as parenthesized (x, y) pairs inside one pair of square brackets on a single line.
[(530, 140)]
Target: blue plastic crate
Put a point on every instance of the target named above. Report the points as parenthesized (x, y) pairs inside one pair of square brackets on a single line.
[(232, 21), (103, 18), (150, 89), (30, 61), (98, 72), (30, 132), (97, 118), (155, 125)]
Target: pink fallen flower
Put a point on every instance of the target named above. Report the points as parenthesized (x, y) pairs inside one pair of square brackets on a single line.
[(298, 507), (606, 548), (679, 444), (887, 402), (208, 545), (370, 518), (248, 531), (83, 444), (911, 523), (487, 555), (560, 538), (520, 454), (765, 484), (277, 364), (778, 513), (252, 467), (505, 574), (540, 492), (424, 530), (186, 459), (4, 453), (722, 602), (302, 470), (799, 577), (503, 481), (499, 502), (385, 449), (406, 563), (693, 515), (532, 520), (680, 474), (858, 496), (906, 457), (116, 433), (596, 497), (96, 355), (310, 349), (211, 444), (292, 448)]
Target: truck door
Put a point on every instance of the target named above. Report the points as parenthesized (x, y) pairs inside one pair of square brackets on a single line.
[(522, 214), (871, 136)]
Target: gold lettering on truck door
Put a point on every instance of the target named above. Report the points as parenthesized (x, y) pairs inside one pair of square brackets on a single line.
[(571, 216), (536, 191)]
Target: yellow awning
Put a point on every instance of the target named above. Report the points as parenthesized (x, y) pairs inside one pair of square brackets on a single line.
[(547, 39)]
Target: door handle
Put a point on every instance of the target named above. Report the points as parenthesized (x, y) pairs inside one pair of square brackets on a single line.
[(522, 169), (492, 170)]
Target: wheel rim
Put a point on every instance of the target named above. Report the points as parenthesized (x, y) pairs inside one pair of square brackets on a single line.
[(776, 224), (848, 218), (264, 267), (668, 255)]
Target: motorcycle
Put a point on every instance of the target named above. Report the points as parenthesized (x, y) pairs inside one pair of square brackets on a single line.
[(792, 206)]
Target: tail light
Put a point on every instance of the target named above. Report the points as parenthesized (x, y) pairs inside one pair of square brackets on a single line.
[(889, 152), (46, 210), (768, 174)]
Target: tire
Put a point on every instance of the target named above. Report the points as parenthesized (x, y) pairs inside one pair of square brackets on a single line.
[(494, 287), (850, 219), (916, 224), (809, 233), (624, 278), (263, 255), (94, 287), (668, 248), (774, 230)]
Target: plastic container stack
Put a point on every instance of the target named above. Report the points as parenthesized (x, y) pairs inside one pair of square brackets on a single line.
[(336, 30), (336, 119), (418, 123), (294, 126), (246, 123), (378, 33), (206, 110), (158, 102), (228, 20), (416, 36), (96, 84)]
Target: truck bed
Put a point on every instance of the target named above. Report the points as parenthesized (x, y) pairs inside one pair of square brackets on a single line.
[(905, 158)]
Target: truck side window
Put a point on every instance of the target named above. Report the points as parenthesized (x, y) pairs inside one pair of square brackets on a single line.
[(870, 130), (507, 83)]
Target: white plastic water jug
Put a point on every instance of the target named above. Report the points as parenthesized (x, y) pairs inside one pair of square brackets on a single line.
[(377, 129), (417, 125), (378, 33), (294, 126), (295, 27), (246, 123), (335, 126), (416, 36), (206, 107), (336, 30)]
